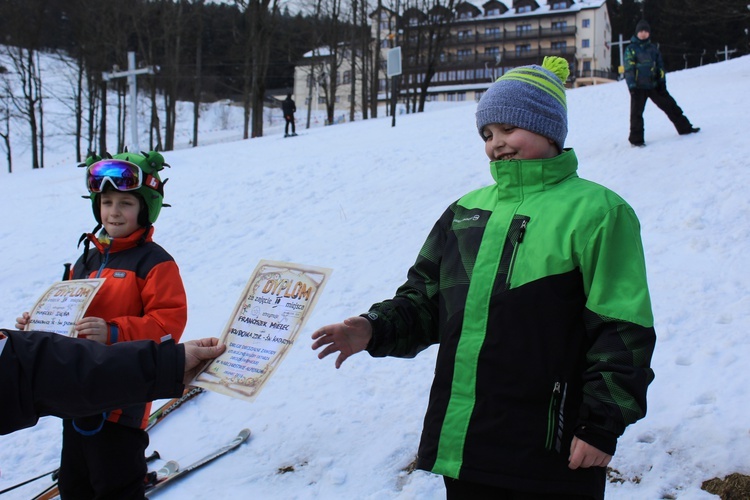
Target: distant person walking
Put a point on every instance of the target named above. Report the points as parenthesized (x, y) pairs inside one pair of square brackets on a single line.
[(644, 74), (289, 108)]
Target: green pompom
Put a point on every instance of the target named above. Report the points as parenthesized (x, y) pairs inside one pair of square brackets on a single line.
[(558, 66)]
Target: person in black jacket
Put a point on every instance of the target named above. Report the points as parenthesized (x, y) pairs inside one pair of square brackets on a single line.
[(44, 373), (644, 74), (289, 108)]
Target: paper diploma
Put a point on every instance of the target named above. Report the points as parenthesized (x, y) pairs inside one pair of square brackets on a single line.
[(272, 310), (63, 305)]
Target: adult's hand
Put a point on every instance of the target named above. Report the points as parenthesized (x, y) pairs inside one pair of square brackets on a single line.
[(198, 353)]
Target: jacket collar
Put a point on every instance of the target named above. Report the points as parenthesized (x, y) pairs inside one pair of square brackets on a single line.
[(518, 178), (120, 244)]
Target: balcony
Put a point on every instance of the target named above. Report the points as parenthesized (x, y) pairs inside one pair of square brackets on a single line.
[(512, 35)]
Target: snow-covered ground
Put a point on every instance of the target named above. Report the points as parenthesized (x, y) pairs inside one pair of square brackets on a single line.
[(360, 198)]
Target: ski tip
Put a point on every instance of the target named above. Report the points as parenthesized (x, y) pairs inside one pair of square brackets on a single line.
[(244, 434)]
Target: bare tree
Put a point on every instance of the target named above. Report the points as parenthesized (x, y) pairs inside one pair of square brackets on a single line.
[(5, 116), (425, 38), (198, 37), (172, 29), (261, 17), (334, 34), (27, 104)]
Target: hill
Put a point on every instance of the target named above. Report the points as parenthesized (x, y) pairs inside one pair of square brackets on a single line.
[(360, 198)]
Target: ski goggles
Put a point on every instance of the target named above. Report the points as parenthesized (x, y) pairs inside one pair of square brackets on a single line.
[(123, 175)]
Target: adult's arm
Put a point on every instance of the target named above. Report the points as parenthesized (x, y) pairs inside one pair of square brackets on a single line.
[(43, 373)]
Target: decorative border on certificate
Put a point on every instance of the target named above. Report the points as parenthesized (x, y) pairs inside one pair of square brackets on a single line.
[(63, 305), (266, 321)]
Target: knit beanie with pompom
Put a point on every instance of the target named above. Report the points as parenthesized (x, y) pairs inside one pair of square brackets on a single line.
[(531, 98)]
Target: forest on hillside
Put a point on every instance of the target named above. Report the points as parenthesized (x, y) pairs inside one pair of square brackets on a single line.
[(202, 51)]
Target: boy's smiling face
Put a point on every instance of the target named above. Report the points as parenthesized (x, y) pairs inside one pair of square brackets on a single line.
[(507, 142), (119, 212)]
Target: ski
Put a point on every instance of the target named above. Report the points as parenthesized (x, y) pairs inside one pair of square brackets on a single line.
[(241, 438), (154, 418), (157, 476), (171, 405)]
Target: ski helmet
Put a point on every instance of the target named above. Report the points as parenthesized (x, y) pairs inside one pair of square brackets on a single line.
[(151, 190)]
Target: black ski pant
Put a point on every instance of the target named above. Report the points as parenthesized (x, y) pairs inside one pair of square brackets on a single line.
[(108, 465), (457, 489), (289, 119), (664, 101)]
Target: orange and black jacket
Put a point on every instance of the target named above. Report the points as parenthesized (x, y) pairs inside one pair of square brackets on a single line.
[(142, 297)]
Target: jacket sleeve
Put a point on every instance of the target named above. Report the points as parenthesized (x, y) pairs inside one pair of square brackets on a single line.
[(164, 307), (43, 373), (629, 64), (408, 323), (661, 76), (619, 326)]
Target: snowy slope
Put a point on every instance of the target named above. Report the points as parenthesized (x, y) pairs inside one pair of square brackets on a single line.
[(360, 198)]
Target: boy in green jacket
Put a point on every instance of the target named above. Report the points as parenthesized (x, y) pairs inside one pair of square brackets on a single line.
[(535, 288)]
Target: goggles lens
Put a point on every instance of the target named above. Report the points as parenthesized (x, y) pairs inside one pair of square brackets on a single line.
[(123, 175)]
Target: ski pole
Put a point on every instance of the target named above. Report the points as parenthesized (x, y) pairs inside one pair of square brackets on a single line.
[(27, 481)]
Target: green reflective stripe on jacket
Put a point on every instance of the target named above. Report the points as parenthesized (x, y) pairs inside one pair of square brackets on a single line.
[(472, 337)]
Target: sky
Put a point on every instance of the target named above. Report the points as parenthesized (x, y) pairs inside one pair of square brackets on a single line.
[(360, 198)]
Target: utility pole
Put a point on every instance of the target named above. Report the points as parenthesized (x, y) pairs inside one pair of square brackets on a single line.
[(131, 74), (393, 68), (621, 44)]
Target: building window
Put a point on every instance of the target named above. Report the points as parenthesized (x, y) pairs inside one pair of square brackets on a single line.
[(464, 54), (492, 51), (493, 12), (523, 8), (413, 21), (523, 28), (461, 96), (347, 77), (523, 49), (381, 85), (492, 33), (463, 35), (559, 5), (585, 43), (559, 45), (586, 23), (586, 65), (321, 100), (559, 25)]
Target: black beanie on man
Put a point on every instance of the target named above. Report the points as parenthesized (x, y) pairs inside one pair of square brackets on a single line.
[(642, 26)]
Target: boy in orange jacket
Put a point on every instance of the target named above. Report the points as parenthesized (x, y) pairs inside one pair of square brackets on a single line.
[(142, 298)]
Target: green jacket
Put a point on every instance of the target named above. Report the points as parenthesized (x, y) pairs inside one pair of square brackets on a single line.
[(535, 288)]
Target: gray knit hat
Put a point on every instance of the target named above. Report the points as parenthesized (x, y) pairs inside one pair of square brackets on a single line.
[(529, 97)]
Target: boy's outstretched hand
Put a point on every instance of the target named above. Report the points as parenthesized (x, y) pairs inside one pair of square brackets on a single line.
[(584, 455), (349, 337)]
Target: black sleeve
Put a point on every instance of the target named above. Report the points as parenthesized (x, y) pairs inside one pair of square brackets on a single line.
[(43, 373)]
